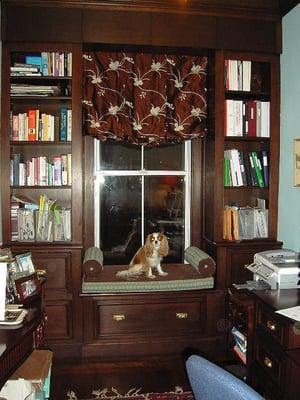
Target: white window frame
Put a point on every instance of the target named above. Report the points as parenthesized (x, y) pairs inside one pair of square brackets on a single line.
[(99, 176)]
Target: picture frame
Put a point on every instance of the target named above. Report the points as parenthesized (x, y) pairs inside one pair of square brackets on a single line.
[(28, 288), (13, 269), (25, 264), (296, 163)]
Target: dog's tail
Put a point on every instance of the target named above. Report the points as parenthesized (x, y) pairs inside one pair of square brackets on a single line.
[(130, 274)]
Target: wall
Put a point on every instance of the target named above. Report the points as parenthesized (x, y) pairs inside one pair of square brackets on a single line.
[(0, 118), (289, 196)]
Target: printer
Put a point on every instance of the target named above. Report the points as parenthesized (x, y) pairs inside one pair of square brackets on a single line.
[(276, 269)]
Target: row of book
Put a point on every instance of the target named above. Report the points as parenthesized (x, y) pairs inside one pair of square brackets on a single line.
[(45, 221), (245, 223), (247, 118), (38, 171), (33, 125), (240, 344), (22, 89), (238, 75), (246, 168), (44, 64)]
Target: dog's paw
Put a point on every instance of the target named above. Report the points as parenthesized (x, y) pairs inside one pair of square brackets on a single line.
[(151, 276), (163, 274)]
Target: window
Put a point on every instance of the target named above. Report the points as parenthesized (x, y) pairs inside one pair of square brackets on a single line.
[(139, 191)]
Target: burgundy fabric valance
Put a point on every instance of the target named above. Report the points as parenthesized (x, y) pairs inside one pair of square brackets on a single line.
[(144, 99)]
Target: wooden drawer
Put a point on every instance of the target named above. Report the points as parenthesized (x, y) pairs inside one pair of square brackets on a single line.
[(271, 359), (277, 328), (240, 311), (145, 319)]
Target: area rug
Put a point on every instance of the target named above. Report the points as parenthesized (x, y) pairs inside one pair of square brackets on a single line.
[(133, 394)]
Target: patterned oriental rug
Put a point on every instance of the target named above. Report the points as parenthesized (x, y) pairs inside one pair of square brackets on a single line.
[(133, 394)]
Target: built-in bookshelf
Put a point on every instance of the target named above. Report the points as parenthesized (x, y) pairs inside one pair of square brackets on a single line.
[(41, 143), (242, 156), (246, 151)]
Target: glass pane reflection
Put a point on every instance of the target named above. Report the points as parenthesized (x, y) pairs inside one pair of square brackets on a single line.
[(165, 158), (164, 212), (118, 157), (120, 218)]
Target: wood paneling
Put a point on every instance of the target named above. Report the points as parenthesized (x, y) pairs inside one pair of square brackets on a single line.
[(242, 34), (148, 323), (192, 31), (173, 27), (42, 24), (58, 324), (116, 27)]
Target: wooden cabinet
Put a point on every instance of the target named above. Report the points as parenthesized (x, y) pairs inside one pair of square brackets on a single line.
[(226, 235), (240, 311), (34, 156), (154, 323), (273, 352), (41, 157), (276, 363)]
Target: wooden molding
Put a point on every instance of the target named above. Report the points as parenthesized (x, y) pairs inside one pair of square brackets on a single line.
[(258, 9)]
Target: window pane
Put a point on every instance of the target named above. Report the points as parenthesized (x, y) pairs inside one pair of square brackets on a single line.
[(164, 212), (120, 218), (118, 157), (165, 158)]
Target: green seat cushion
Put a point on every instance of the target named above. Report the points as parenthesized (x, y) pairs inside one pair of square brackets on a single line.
[(180, 277)]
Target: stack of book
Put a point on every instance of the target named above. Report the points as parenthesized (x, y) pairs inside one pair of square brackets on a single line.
[(246, 168), (39, 171), (34, 125), (23, 69), (247, 118), (45, 221), (20, 89), (238, 75), (44, 64), (240, 344), (245, 223)]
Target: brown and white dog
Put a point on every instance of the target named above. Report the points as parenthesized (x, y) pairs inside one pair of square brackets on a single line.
[(148, 257)]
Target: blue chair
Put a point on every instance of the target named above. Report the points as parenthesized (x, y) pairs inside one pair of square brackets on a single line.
[(210, 382)]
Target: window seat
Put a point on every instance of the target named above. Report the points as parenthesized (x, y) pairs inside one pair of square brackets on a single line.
[(180, 277)]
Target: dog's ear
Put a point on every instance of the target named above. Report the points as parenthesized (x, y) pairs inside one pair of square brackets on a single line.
[(164, 246), (148, 246)]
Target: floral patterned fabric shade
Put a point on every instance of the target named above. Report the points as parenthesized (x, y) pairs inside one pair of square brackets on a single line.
[(144, 99)]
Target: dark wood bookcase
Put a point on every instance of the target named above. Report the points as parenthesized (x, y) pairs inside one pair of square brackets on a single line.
[(232, 255), (240, 32), (61, 259)]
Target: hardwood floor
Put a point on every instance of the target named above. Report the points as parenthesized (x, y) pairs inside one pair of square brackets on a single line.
[(151, 375)]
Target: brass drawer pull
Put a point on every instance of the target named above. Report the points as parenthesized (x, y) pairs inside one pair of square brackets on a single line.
[(268, 362), (119, 317), (271, 325), (181, 315)]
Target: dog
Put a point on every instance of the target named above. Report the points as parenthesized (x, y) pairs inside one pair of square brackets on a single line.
[(147, 258)]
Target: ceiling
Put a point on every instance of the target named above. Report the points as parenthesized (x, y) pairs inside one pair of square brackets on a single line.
[(287, 5)]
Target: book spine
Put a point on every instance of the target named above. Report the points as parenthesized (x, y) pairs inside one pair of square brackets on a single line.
[(258, 169), (31, 125), (63, 125), (45, 68)]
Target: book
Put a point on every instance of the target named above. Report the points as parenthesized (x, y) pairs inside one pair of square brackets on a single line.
[(258, 169), (45, 66), (34, 60), (246, 75), (252, 118), (69, 125), (63, 125), (25, 68), (31, 125), (13, 317), (264, 158)]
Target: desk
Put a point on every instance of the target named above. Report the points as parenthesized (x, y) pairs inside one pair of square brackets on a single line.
[(275, 370), (17, 343)]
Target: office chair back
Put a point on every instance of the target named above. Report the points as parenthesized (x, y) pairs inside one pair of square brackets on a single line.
[(210, 382)]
